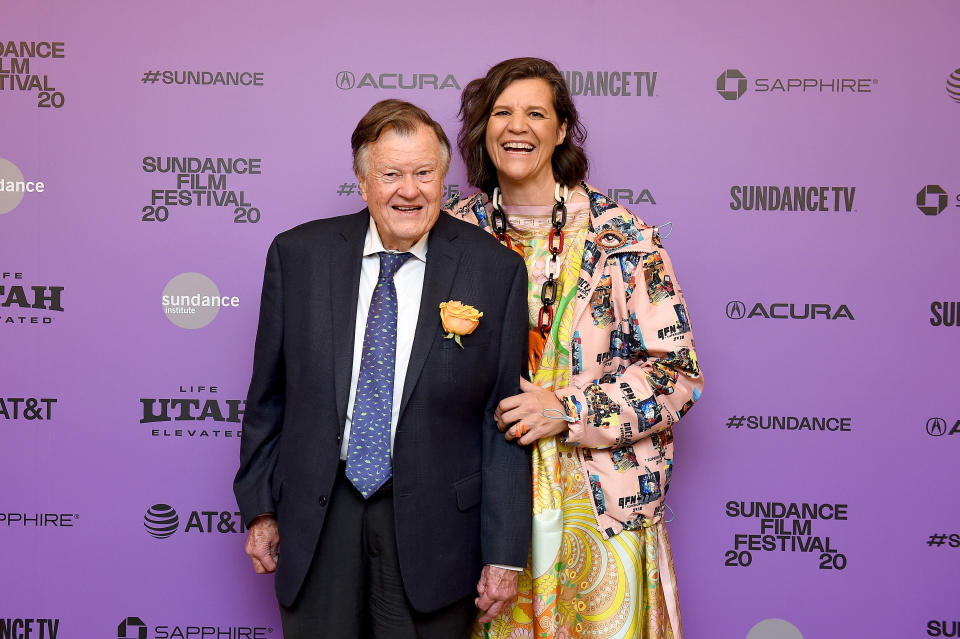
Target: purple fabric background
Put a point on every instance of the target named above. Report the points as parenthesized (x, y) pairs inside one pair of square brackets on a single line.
[(889, 369)]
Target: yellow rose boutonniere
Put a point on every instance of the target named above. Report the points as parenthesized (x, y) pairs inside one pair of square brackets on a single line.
[(458, 319)]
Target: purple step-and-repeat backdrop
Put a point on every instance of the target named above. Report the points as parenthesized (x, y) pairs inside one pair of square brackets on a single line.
[(806, 154)]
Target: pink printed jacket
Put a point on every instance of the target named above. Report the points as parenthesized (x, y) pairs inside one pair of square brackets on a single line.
[(633, 368)]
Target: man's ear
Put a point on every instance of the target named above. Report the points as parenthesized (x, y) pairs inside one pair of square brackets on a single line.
[(362, 186)]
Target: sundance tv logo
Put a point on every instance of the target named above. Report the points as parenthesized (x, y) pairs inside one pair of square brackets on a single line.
[(29, 628), (732, 84), (347, 80), (933, 200), (192, 300), (737, 310)]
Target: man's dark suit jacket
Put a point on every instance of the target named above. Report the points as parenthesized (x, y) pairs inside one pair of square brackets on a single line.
[(461, 493)]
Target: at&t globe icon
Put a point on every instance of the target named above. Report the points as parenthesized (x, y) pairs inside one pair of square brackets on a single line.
[(161, 521)]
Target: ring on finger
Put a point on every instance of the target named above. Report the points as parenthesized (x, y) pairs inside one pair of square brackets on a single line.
[(521, 430)]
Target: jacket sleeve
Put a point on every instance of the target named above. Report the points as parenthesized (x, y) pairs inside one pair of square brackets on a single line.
[(649, 378), (507, 498), (263, 413)]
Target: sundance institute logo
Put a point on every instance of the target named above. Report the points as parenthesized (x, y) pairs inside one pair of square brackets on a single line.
[(932, 199), (132, 628), (731, 84), (161, 521), (13, 186), (953, 85), (192, 300)]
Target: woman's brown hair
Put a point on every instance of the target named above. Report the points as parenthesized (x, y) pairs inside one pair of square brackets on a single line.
[(569, 161)]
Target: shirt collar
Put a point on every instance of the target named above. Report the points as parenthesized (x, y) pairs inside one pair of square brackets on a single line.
[(372, 244)]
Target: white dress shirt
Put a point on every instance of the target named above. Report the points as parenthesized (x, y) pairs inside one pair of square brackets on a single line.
[(409, 283)]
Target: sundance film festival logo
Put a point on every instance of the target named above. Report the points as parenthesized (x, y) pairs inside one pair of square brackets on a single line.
[(953, 85), (939, 427), (199, 183), (162, 521), (933, 200), (611, 83), (737, 310), (14, 187), (192, 300), (29, 628), (785, 527), (135, 628), (26, 303), (732, 84), (18, 72), (191, 415), (347, 80)]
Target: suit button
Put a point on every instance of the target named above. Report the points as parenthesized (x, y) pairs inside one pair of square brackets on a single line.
[(323, 500)]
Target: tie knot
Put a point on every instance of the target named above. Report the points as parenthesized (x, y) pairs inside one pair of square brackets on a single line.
[(391, 262)]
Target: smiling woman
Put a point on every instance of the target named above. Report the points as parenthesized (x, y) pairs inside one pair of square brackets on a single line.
[(609, 381)]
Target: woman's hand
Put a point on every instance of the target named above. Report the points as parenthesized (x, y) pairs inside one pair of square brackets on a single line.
[(522, 415)]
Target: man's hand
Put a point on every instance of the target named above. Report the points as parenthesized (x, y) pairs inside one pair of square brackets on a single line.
[(521, 417), (497, 587), (263, 544)]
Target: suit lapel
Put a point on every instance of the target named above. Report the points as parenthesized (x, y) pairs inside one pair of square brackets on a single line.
[(441, 268), (345, 257)]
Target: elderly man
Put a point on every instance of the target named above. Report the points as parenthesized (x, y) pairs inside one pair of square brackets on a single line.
[(372, 474)]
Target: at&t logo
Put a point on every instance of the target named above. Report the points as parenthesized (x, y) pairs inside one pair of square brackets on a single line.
[(933, 200), (162, 521), (938, 427), (953, 85)]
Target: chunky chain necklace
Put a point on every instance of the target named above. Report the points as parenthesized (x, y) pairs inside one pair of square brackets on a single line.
[(558, 218)]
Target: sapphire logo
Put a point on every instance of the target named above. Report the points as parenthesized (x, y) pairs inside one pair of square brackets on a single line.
[(132, 628), (731, 84), (346, 80), (161, 521), (736, 309), (953, 85), (932, 199)]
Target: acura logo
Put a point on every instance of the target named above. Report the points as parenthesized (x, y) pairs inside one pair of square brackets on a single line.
[(736, 309), (346, 80), (936, 427)]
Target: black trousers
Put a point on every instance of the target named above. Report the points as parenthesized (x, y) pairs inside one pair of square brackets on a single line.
[(353, 588)]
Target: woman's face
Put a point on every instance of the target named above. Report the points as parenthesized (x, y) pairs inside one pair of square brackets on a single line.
[(522, 131)]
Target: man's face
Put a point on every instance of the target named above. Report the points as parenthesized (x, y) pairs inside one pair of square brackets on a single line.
[(403, 185)]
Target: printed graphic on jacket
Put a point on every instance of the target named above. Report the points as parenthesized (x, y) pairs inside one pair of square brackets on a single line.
[(600, 304), (659, 285), (676, 331)]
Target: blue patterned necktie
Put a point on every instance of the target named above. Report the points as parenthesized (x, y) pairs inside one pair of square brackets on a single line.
[(368, 457)]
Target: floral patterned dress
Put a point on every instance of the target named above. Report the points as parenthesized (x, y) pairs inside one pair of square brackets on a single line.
[(576, 583)]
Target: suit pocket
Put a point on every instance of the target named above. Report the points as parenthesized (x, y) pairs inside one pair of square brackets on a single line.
[(476, 340), (468, 491)]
